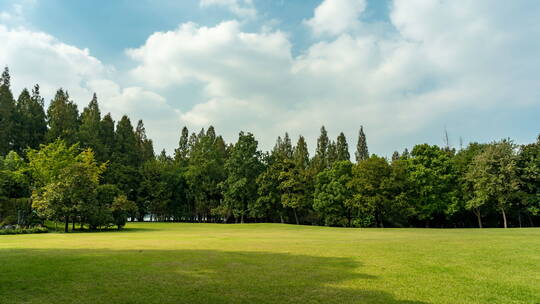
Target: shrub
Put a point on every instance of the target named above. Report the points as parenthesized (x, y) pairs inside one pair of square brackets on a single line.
[(23, 230)]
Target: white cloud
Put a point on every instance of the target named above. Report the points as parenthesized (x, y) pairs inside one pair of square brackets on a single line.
[(36, 57), (333, 17), (440, 59), (241, 8)]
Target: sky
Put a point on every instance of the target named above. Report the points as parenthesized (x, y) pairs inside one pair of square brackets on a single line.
[(406, 70)]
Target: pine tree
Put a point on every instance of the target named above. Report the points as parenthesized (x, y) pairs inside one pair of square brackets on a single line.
[(181, 153), (31, 120), (63, 119), (361, 148), (89, 131), (144, 145), (106, 135), (7, 114), (126, 146), (332, 154), (320, 160), (342, 148), (301, 153), (395, 156)]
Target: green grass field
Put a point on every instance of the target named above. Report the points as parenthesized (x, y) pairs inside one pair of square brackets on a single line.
[(271, 263)]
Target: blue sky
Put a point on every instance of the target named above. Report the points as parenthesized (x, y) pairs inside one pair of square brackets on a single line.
[(405, 69)]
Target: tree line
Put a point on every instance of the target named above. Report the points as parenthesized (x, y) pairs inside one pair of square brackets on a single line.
[(85, 168)]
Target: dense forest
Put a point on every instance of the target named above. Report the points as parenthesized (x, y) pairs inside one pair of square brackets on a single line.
[(86, 169)]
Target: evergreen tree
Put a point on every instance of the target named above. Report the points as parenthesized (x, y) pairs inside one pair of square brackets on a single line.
[(301, 153), (320, 160), (242, 167), (63, 119), (361, 148), (332, 155), (181, 153), (7, 114), (107, 137), (145, 147), (89, 131), (126, 145), (31, 120), (395, 156), (342, 148)]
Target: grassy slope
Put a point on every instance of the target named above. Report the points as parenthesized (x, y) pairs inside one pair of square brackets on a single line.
[(269, 263)]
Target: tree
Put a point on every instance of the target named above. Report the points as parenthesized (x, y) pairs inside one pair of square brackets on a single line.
[(332, 194), (90, 129), (293, 185), (372, 187), (342, 148), (301, 154), (495, 178), (242, 167), (181, 153), (7, 114), (362, 152), (462, 163), (31, 121), (144, 144), (320, 160), (529, 165), (107, 137), (121, 209), (433, 180), (63, 119), (65, 180)]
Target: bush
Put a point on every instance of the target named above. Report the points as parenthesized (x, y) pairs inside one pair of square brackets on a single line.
[(24, 230)]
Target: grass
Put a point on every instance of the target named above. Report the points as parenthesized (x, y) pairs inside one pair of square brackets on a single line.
[(271, 263)]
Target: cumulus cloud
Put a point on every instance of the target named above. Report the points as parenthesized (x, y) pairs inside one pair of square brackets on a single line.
[(241, 8), (36, 57), (441, 58), (333, 17)]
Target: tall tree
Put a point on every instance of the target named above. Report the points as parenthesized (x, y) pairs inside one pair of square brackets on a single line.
[(89, 131), (362, 152), (342, 148), (7, 114), (31, 120), (181, 153), (63, 119), (145, 147), (107, 137), (320, 160), (243, 167), (301, 153), (332, 194), (495, 178)]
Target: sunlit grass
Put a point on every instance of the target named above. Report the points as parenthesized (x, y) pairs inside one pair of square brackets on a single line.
[(271, 263)]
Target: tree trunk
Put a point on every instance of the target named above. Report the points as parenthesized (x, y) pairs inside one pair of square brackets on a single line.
[(242, 218), (479, 217), (519, 218), (66, 227), (281, 218), (504, 218), (296, 216)]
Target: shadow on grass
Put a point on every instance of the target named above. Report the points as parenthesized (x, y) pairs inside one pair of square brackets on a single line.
[(181, 276)]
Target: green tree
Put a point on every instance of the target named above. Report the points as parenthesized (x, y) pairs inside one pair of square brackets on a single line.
[(362, 152), (332, 194), (432, 178), (320, 160), (372, 187), (7, 114), (90, 129), (242, 167), (181, 153), (121, 209), (65, 180), (63, 119), (342, 148), (495, 178), (31, 120), (107, 137), (145, 147), (529, 164)]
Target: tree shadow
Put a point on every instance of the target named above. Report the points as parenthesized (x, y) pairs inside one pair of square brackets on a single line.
[(181, 276)]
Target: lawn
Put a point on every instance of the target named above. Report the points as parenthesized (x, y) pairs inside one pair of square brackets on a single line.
[(271, 263)]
